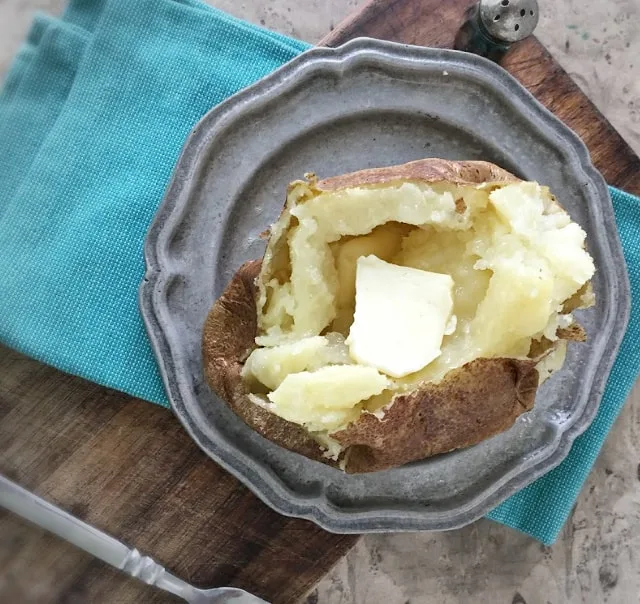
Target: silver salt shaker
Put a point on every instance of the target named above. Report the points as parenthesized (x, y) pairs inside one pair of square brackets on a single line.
[(492, 26)]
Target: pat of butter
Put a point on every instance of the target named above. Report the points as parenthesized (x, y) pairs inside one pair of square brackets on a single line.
[(401, 316)]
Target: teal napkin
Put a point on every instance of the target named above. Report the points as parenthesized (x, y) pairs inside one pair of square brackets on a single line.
[(93, 115), (92, 120)]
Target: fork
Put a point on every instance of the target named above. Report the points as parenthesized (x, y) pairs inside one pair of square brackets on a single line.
[(129, 560)]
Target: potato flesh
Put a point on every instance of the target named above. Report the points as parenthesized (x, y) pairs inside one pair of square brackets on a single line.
[(553, 361), (513, 254), (331, 395), (270, 366), (325, 219), (384, 242)]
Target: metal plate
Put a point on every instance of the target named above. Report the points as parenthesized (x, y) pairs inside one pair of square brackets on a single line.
[(365, 104)]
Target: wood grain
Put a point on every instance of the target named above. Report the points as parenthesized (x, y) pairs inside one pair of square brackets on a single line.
[(129, 468)]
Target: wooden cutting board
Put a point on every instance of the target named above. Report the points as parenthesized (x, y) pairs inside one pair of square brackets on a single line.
[(129, 468)]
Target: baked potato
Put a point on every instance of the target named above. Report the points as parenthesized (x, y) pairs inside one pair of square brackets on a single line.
[(399, 312)]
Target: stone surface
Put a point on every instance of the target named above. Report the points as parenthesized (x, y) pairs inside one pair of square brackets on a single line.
[(596, 559)]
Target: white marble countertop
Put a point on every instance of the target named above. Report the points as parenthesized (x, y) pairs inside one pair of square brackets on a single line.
[(597, 558)]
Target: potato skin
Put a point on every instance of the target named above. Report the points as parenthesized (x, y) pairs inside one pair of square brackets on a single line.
[(227, 340), (423, 170), (471, 404)]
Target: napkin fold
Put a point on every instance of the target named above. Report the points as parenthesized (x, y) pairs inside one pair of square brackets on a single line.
[(92, 120), (93, 114)]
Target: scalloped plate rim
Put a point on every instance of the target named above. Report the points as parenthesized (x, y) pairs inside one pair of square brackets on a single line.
[(318, 508)]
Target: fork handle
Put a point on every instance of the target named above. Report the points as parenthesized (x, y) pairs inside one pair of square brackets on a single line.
[(88, 538)]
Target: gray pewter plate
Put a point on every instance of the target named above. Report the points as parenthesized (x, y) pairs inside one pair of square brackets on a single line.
[(366, 104)]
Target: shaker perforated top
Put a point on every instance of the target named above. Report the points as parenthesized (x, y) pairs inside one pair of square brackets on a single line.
[(509, 20)]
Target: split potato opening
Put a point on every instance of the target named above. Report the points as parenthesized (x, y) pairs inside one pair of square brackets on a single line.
[(375, 290)]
